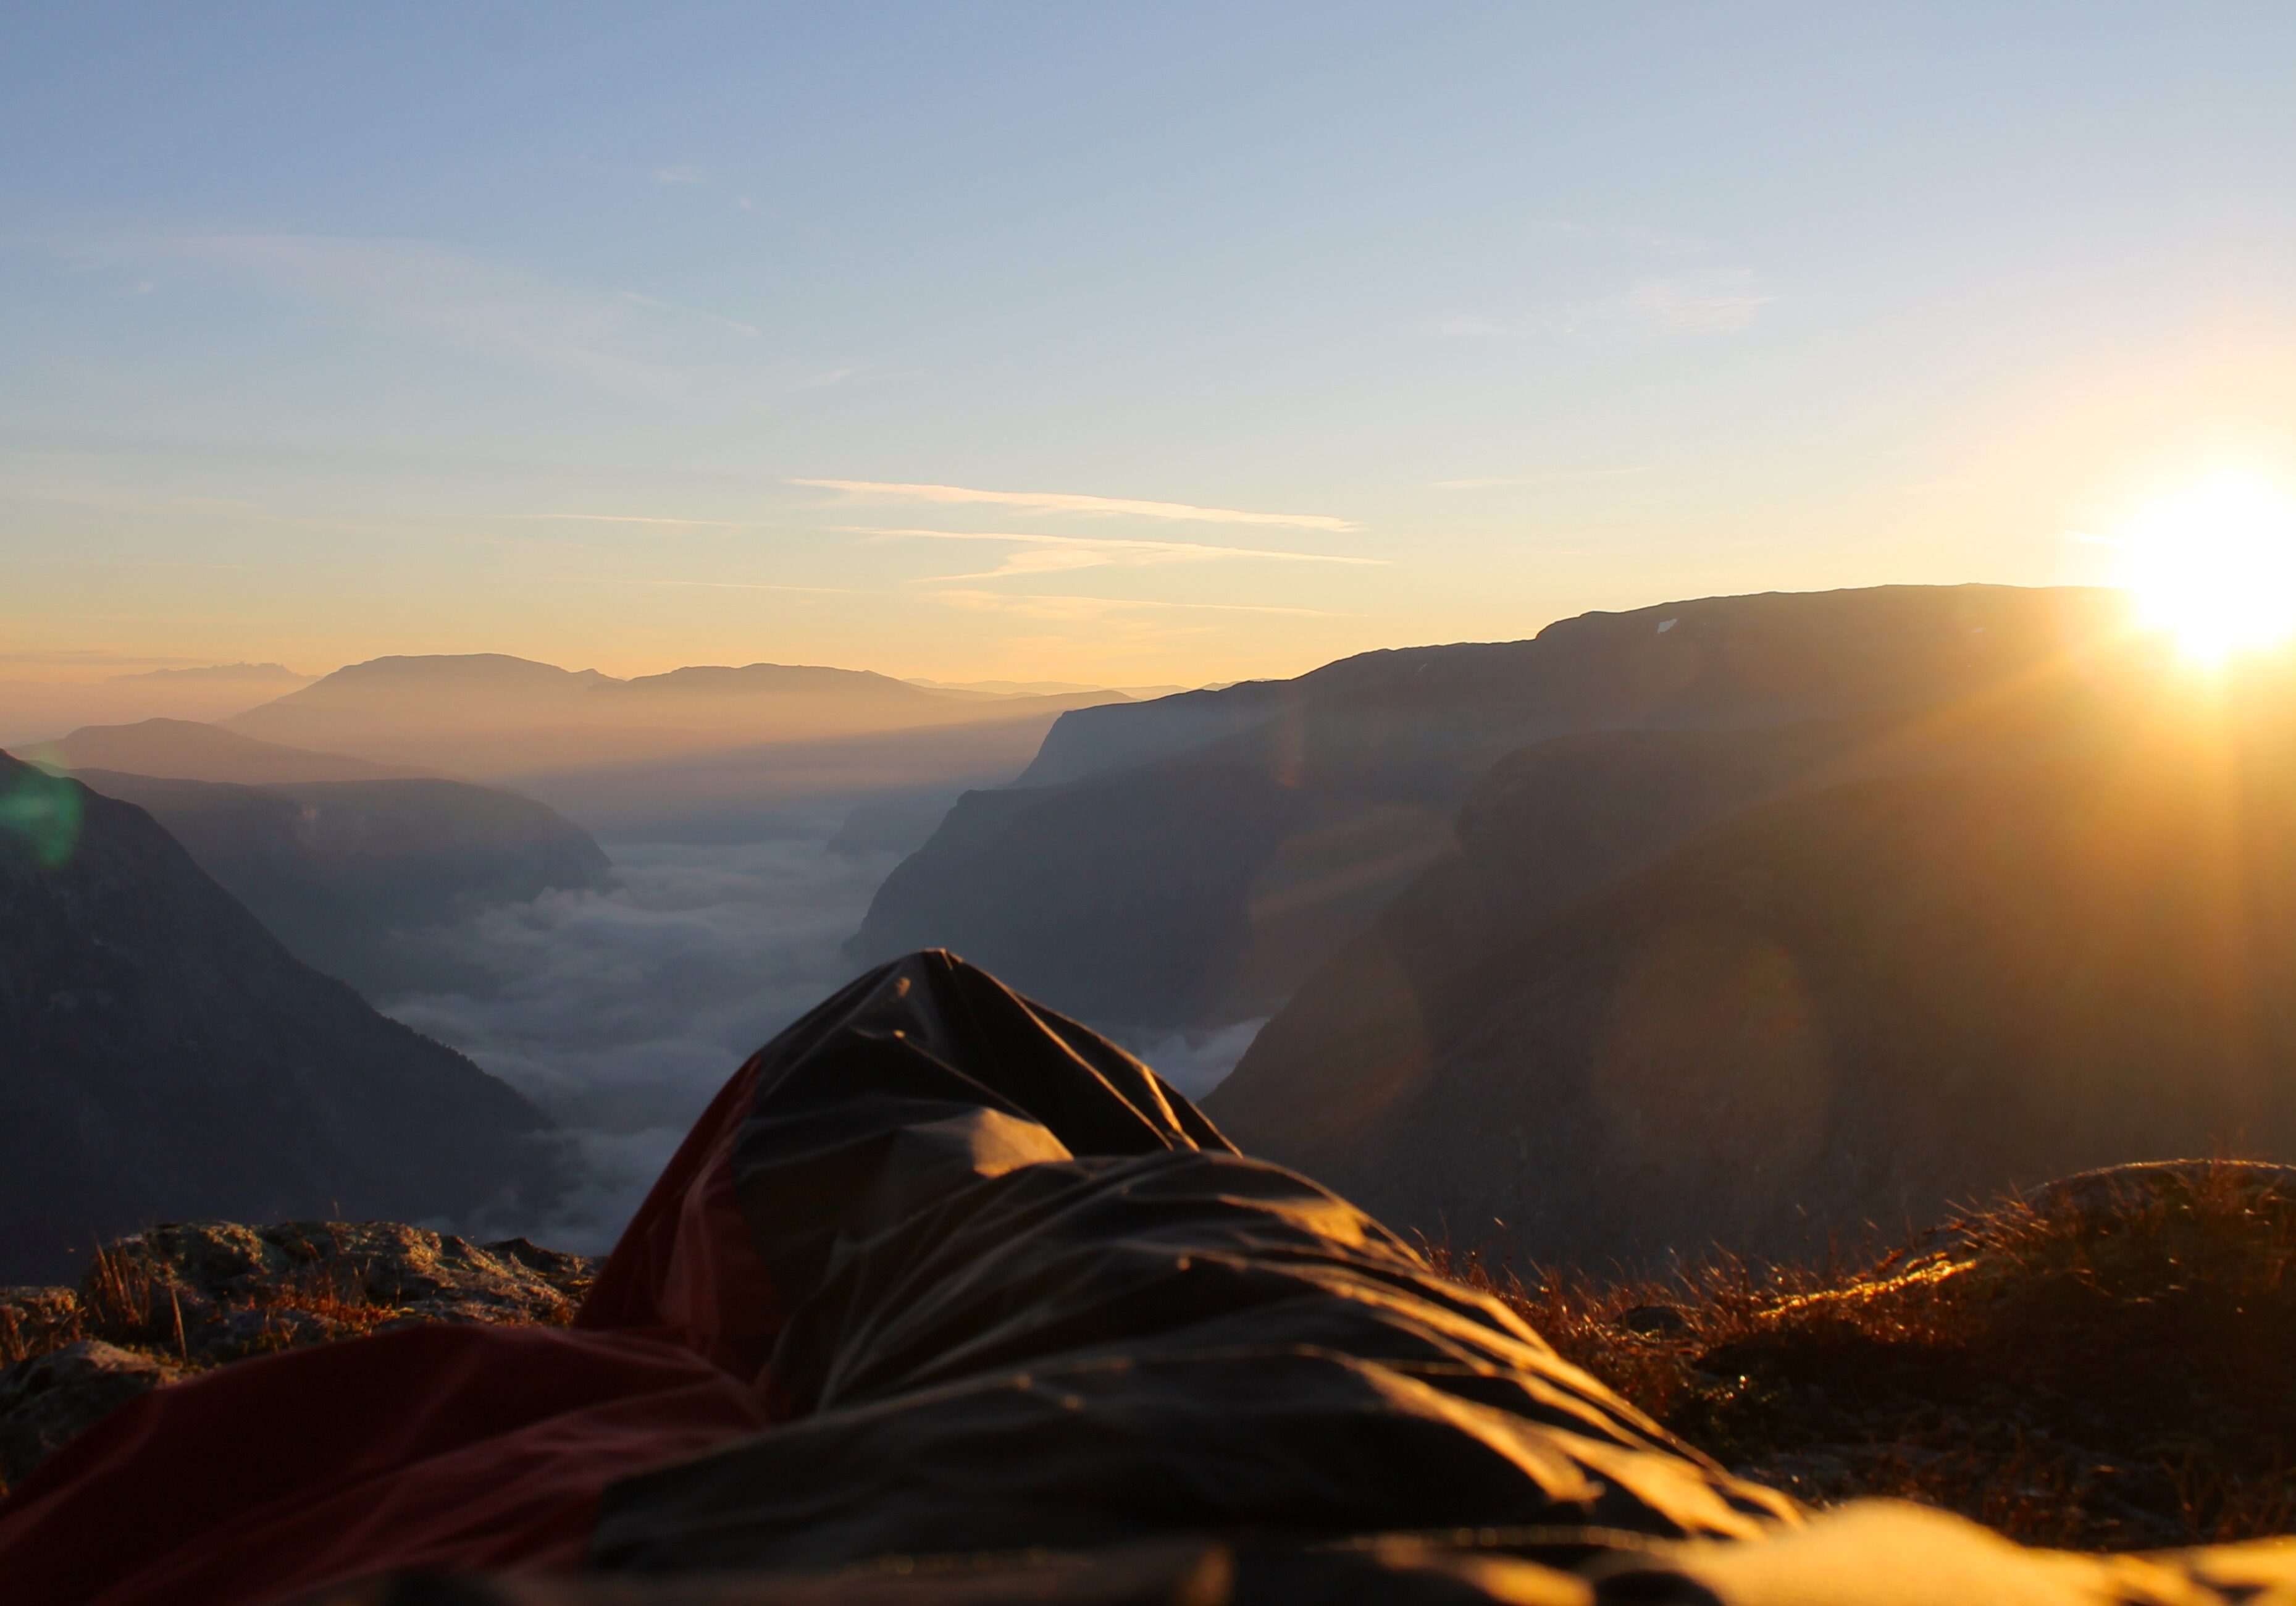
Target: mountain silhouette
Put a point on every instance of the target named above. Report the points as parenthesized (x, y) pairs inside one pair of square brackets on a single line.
[(495, 717), (1190, 861), (1767, 988), (345, 872), (162, 1056)]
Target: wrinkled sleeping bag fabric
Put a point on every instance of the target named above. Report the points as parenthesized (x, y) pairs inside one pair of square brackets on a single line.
[(946, 1296)]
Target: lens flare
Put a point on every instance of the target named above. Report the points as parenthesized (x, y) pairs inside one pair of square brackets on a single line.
[(2215, 567)]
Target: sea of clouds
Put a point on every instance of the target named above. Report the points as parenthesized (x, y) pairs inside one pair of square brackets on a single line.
[(621, 1013)]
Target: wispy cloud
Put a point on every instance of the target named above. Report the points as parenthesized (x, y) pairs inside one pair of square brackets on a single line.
[(1043, 605), (734, 324), (1055, 501), (1655, 307), (1036, 554), (416, 285), (623, 518), (1657, 241), (680, 176), (447, 296), (703, 585), (1552, 476)]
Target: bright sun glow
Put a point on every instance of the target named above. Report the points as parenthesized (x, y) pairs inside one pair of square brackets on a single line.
[(2216, 565)]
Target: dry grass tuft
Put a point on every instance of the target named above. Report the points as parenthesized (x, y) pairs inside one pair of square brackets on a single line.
[(2103, 1365)]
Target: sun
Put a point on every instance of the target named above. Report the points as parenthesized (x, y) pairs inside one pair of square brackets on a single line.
[(2215, 567)]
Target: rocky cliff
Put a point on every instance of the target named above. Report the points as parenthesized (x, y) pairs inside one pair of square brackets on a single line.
[(161, 1055)]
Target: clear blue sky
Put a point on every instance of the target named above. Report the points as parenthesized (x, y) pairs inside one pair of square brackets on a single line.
[(319, 321)]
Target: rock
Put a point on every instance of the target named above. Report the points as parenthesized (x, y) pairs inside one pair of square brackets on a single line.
[(1655, 1321), (219, 1289), (44, 1400)]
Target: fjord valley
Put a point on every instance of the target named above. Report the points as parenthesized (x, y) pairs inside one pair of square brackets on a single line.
[(1660, 972), (1750, 923), (166, 1056), (905, 805)]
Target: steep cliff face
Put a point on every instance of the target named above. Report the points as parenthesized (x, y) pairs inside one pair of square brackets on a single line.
[(2041, 946), (1190, 861), (162, 1056), (342, 871)]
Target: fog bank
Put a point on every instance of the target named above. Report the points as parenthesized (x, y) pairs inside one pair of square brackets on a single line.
[(621, 1012)]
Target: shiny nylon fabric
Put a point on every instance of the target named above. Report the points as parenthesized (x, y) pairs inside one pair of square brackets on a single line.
[(1033, 1299), (938, 1272)]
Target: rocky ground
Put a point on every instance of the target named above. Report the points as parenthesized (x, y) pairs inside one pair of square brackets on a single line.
[(183, 1297), (2102, 1364)]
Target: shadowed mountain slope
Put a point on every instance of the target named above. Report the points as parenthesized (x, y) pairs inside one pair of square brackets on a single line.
[(1191, 861), (2039, 946), (161, 1055), (339, 870), (189, 750), (789, 787)]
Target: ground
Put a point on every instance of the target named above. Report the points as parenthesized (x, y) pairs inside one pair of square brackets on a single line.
[(2103, 1365)]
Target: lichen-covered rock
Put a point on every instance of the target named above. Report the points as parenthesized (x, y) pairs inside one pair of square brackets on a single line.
[(193, 1275), (183, 1297), (47, 1399)]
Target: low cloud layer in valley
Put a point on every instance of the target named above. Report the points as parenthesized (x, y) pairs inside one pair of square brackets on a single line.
[(621, 1012)]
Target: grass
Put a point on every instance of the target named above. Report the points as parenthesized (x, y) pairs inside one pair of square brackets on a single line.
[(126, 1299), (2109, 1365)]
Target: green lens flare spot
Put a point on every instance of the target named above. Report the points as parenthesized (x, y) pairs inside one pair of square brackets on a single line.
[(39, 812)]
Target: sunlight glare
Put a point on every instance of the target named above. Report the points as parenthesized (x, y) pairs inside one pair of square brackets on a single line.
[(2215, 567)]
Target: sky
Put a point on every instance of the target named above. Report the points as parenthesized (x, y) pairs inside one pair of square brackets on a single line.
[(1106, 342)]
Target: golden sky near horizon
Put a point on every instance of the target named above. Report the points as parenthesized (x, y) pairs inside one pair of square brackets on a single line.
[(1058, 346)]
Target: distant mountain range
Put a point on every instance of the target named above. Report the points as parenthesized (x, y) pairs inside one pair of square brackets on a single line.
[(1190, 861), (34, 711), (161, 1055), (494, 717)]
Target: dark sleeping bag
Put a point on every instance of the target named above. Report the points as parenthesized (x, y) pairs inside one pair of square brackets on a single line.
[(939, 1273)]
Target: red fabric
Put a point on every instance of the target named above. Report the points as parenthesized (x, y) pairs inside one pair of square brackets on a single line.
[(445, 1447), (452, 1448), (686, 1265)]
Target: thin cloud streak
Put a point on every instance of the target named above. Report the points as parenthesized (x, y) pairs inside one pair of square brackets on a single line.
[(707, 585), (1052, 554), (1489, 481), (1654, 308), (1054, 606), (1055, 501), (443, 294), (747, 331), (622, 518)]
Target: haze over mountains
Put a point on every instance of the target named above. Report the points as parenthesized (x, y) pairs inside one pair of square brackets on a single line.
[(494, 717), (162, 1056), (190, 750), (1752, 918), (36, 710), (352, 875), (1189, 862), (1765, 987)]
